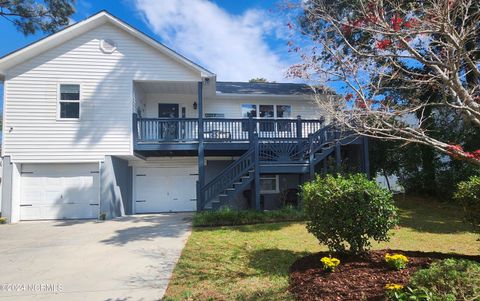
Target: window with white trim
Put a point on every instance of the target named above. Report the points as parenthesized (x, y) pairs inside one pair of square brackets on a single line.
[(69, 101), (284, 111), (269, 184)]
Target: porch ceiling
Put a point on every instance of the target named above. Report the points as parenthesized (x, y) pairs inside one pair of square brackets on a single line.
[(166, 87)]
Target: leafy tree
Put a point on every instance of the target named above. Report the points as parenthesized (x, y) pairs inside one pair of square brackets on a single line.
[(30, 16), (379, 49), (468, 197)]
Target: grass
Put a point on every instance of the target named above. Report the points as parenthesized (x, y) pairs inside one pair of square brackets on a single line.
[(227, 217), (251, 262)]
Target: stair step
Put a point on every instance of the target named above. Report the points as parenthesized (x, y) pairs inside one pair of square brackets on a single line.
[(230, 189)]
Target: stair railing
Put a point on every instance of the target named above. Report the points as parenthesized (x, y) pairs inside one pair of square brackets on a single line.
[(319, 139), (231, 174)]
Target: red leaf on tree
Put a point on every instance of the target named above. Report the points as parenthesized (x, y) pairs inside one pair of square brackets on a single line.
[(371, 19), (411, 23), (476, 154), (396, 23), (346, 29), (454, 150), (348, 96), (360, 103), (357, 23), (384, 44), (473, 155)]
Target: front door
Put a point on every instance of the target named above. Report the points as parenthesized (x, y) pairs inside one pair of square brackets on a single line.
[(169, 129)]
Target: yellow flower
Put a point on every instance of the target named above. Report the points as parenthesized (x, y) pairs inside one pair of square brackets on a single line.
[(393, 287), (329, 263), (396, 261), (399, 257)]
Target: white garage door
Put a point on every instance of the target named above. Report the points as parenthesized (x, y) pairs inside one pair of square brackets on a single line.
[(59, 191), (165, 189)]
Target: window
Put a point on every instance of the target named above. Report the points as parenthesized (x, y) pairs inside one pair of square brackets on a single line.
[(284, 111), (69, 102), (249, 110), (269, 184), (266, 111)]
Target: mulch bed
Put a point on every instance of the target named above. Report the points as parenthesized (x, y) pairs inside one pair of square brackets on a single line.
[(356, 278)]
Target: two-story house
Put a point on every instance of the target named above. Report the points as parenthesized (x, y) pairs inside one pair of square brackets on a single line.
[(101, 119)]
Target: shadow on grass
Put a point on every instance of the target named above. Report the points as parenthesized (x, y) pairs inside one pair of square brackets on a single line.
[(250, 228), (432, 217), (274, 262)]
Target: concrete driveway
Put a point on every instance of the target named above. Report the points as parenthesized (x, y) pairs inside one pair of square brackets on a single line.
[(129, 258)]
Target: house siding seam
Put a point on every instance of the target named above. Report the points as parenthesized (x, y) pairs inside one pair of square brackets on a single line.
[(105, 127)]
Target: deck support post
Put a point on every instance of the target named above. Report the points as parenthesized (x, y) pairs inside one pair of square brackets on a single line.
[(257, 171), (251, 128), (135, 130), (201, 150), (299, 128), (311, 158), (366, 157), (338, 154)]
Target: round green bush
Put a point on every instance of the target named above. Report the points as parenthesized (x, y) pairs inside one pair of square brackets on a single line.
[(450, 279), (345, 213), (468, 197)]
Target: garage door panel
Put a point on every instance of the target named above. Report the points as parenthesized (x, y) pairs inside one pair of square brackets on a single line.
[(165, 189), (59, 191), (60, 211)]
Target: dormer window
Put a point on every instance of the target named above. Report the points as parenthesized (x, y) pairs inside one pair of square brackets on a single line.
[(69, 101)]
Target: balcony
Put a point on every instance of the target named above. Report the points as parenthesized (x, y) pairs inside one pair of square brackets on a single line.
[(157, 134)]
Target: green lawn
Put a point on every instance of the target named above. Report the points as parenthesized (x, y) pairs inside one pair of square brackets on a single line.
[(252, 262)]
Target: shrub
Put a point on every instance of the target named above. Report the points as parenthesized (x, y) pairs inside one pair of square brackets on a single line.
[(408, 294), (450, 279), (229, 217), (468, 197), (345, 213), (3, 220), (396, 261), (329, 264)]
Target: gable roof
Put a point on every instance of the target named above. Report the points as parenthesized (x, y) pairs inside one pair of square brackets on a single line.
[(267, 88), (23, 54)]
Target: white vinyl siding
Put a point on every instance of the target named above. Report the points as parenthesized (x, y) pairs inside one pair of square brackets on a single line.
[(231, 105), (151, 102), (32, 131), (228, 106)]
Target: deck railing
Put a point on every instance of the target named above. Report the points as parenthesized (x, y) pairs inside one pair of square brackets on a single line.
[(158, 130)]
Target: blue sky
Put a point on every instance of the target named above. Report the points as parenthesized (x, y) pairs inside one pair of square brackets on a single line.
[(237, 40)]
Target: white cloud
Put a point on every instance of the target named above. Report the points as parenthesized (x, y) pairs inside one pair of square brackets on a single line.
[(232, 46)]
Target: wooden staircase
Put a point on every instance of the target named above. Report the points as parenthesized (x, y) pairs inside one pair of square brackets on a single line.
[(285, 155)]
